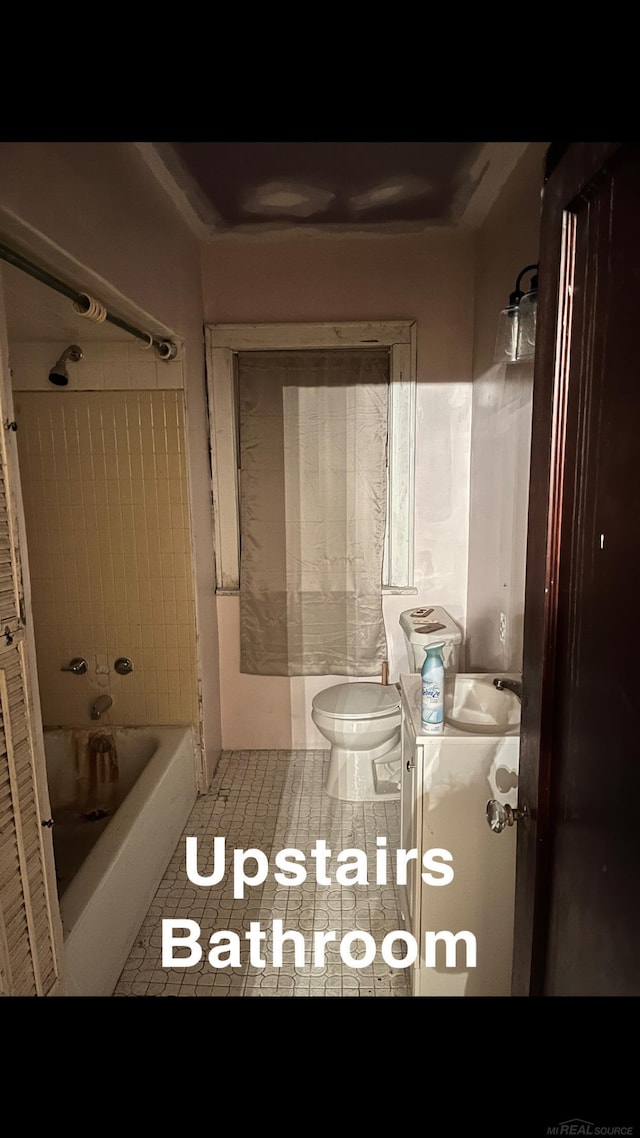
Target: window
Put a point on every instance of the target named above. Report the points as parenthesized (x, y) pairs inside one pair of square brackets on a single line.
[(224, 341)]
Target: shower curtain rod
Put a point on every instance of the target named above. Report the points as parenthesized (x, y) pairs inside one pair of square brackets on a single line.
[(86, 305)]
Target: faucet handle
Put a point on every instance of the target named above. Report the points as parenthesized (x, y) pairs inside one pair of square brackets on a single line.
[(78, 666)]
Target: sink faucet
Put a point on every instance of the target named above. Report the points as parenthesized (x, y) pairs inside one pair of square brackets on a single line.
[(509, 685), (103, 703)]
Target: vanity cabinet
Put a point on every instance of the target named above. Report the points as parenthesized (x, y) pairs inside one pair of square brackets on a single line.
[(447, 781)]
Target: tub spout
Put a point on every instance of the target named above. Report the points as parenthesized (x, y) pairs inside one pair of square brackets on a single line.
[(103, 703)]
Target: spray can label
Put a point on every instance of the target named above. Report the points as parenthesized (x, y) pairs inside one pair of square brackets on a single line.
[(432, 708)]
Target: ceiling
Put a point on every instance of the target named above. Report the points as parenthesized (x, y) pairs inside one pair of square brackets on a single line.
[(225, 189), (241, 188)]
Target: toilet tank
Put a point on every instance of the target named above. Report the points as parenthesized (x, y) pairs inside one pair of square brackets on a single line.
[(419, 636)]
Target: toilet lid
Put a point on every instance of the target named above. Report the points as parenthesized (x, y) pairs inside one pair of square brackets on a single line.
[(357, 701)]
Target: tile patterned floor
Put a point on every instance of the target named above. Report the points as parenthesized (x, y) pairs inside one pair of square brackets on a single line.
[(270, 801)]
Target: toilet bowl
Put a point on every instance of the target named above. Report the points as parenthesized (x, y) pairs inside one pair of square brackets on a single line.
[(362, 720), (362, 723)]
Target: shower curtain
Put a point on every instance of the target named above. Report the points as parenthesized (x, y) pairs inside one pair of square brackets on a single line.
[(312, 445)]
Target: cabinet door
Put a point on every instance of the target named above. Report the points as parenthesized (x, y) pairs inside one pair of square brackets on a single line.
[(410, 822)]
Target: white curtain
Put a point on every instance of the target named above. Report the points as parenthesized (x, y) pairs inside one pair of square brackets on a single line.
[(313, 435)]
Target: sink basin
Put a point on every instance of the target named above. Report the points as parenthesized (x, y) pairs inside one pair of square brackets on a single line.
[(473, 704)]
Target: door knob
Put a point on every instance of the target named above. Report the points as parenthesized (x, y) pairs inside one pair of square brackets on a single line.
[(500, 816)]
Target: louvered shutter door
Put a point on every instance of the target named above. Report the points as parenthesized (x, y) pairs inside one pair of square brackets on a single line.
[(28, 958)]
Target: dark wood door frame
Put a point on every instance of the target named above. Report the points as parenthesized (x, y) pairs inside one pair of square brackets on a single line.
[(567, 174)]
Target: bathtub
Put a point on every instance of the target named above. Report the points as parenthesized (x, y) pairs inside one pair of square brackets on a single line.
[(116, 824)]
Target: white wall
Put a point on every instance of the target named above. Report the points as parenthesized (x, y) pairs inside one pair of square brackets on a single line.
[(93, 214), (501, 428), (427, 278)]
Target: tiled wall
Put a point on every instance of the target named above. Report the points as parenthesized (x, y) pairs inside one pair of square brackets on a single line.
[(105, 495), (103, 367)]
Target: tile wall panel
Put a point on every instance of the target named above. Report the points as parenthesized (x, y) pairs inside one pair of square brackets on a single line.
[(109, 366), (105, 494)]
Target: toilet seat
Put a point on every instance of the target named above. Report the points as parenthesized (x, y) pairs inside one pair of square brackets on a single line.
[(357, 701)]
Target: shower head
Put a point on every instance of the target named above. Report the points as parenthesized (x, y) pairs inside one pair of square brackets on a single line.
[(59, 374)]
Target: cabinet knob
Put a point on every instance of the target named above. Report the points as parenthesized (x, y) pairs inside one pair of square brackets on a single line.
[(499, 816), (410, 764)]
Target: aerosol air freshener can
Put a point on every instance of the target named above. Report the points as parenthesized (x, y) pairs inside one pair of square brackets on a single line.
[(433, 691)]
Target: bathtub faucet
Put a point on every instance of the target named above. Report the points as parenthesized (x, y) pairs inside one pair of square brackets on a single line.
[(103, 703), (509, 685)]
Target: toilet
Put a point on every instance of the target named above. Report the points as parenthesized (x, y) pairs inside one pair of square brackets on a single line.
[(361, 720)]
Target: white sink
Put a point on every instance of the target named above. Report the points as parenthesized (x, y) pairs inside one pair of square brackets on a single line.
[(472, 703)]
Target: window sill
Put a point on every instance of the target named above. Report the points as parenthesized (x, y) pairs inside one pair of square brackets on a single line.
[(397, 590), (387, 591)]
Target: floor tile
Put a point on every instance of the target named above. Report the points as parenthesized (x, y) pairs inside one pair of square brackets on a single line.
[(265, 941)]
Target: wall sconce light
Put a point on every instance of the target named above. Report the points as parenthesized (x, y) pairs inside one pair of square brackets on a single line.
[(516, 338)]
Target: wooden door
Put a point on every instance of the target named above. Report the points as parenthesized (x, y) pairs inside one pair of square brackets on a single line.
[(30, 931), (577, 924)]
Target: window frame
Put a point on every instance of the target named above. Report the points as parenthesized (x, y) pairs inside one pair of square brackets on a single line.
[(224, 341)]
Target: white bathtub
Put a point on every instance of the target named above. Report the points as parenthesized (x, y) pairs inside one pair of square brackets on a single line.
[(123, 856)]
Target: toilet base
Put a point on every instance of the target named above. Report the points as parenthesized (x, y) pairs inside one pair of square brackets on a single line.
[(364, 776)]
